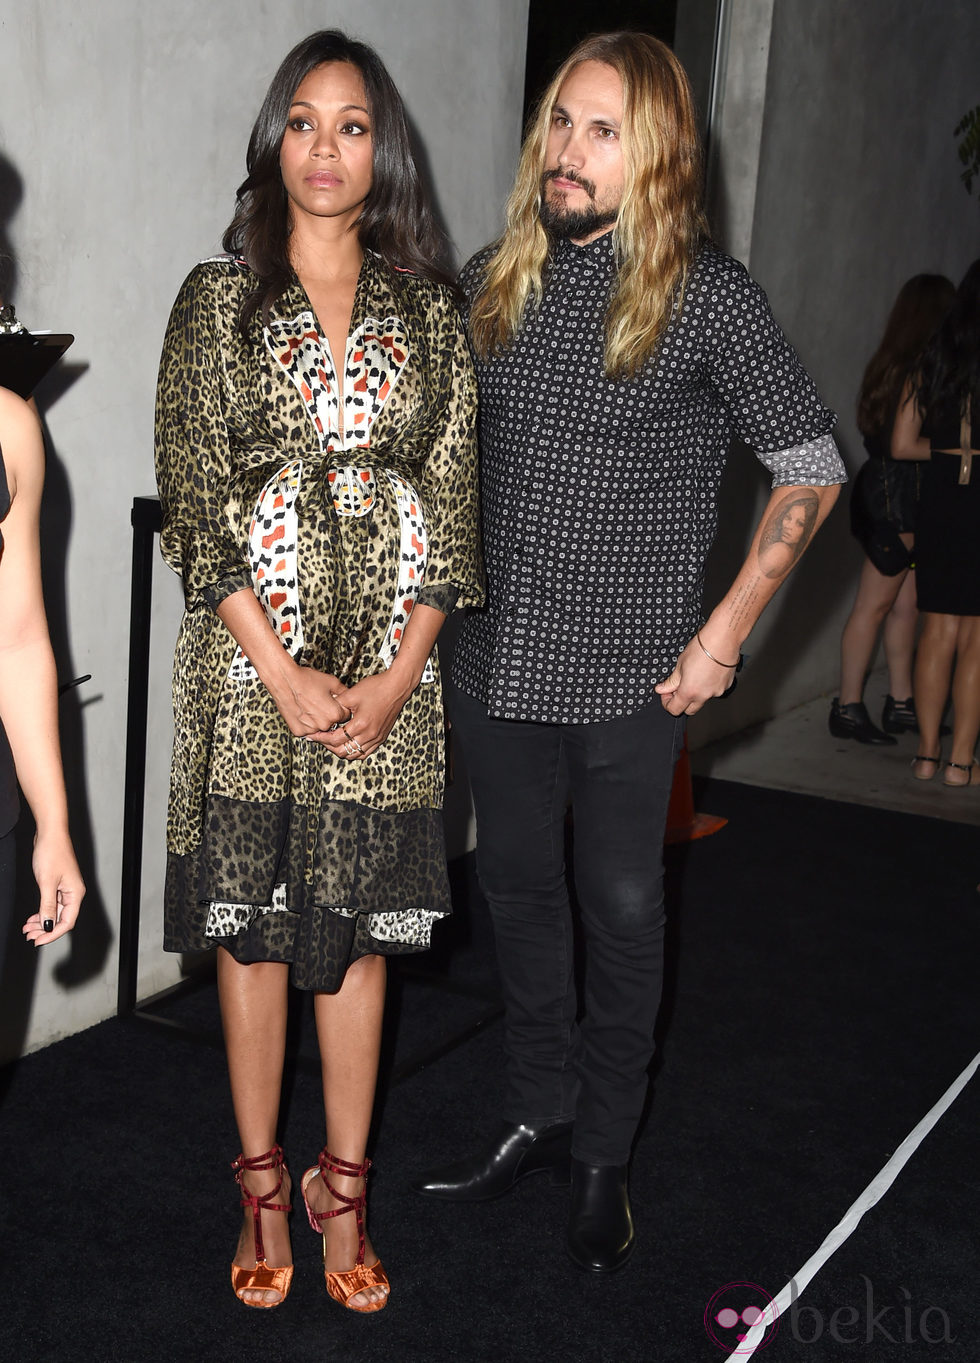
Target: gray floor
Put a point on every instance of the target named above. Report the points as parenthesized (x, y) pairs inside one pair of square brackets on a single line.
[(795, 752)]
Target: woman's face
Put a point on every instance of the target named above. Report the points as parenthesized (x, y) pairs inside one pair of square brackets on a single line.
[(326, 156), (794, 525)]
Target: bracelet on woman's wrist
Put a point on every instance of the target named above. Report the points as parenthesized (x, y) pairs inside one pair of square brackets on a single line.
[(735, 665)]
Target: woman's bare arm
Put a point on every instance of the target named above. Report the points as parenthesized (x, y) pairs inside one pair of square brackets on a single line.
[(28, 681), (907, 440)]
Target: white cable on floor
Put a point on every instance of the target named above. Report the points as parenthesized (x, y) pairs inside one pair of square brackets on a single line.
[(876, 1189)]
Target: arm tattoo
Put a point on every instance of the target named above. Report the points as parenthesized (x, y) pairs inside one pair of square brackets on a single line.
[(787, 532), (744, 606)]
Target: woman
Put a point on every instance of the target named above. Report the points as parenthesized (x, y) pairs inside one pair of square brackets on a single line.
[(884, 503), (316, 465), (942, 425), (779, 545), (29, 691)]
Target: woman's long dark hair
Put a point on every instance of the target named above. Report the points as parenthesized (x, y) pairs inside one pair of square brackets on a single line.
[(921, 305), (951, 364), (396, 220)]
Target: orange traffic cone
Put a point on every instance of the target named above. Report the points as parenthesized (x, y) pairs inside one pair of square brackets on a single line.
[(683, 825)]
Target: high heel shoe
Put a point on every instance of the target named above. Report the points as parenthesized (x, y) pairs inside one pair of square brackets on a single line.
[(343, 1286), (261, 1278)]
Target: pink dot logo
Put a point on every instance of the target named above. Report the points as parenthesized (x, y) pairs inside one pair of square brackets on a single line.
[(731, 1314)]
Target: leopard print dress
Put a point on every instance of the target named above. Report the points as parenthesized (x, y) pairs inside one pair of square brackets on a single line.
[(340, 516)]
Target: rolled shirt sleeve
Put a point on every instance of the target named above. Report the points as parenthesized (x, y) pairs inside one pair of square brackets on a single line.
[(815, 463)]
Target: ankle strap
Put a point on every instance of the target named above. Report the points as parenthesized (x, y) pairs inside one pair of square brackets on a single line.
[(343, 1167), (330, 1164), (272, 1159), (260, 1202)]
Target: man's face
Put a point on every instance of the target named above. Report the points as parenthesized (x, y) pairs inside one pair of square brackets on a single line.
[(582, 184)]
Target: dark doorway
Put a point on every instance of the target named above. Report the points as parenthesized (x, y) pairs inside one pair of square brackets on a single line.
[(555, 26)]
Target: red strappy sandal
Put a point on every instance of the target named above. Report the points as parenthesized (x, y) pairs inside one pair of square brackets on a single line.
[(343, 1286), (261, 1278)]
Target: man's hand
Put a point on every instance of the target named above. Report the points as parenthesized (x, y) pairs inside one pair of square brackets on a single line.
[(694, 680)]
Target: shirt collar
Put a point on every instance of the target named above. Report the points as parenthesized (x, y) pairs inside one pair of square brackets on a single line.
[(594, 257), (597, 252)]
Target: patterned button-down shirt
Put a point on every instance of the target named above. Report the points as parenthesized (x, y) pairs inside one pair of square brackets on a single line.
[(599, 495)]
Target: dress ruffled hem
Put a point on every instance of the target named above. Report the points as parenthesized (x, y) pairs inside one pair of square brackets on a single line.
[(363, 882)]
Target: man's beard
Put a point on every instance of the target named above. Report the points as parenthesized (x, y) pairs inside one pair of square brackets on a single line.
[(561, 221)]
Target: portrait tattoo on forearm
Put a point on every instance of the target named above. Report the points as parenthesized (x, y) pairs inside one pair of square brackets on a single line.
[(787, 532)]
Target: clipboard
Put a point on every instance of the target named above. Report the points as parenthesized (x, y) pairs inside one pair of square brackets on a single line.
[(26, 358)]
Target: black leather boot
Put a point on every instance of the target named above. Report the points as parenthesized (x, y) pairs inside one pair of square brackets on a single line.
[(516, 1152), (600, 1223), (853, 721), (898, 716)]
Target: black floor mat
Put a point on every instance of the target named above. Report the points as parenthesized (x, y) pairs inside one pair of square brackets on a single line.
[(822, 996)]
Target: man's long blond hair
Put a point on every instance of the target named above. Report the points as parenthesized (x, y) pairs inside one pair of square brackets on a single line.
[(660, 221)]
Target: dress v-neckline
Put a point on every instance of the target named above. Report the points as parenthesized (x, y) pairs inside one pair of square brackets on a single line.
[(338, 374), (376, 352)]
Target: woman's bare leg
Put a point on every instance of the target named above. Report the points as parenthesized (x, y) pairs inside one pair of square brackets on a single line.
[(253, 1015), (348, 1026), (875, 597), (966, 698), (933, 670), (899, 637)]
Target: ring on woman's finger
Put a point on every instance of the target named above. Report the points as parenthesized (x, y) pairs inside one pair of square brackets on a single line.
[(349, 747), (357, 746)]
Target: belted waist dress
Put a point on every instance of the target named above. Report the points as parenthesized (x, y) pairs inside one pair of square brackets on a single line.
[(340, 513)]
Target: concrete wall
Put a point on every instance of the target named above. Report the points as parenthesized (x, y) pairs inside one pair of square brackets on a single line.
[(122, 138), (846, 115)]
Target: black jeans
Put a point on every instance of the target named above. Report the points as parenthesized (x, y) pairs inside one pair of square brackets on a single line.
[(617, 775)]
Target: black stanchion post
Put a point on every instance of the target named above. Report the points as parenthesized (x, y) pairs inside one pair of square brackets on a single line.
[(146, 520)]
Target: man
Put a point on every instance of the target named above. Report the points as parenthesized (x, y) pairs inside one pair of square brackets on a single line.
[(617, 352)]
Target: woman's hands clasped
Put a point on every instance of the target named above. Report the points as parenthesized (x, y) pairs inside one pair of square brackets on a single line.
[(312, 702), (351, 721), (374, 704)]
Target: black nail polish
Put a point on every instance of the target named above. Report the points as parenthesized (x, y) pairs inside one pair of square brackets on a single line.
[(48, 925)]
